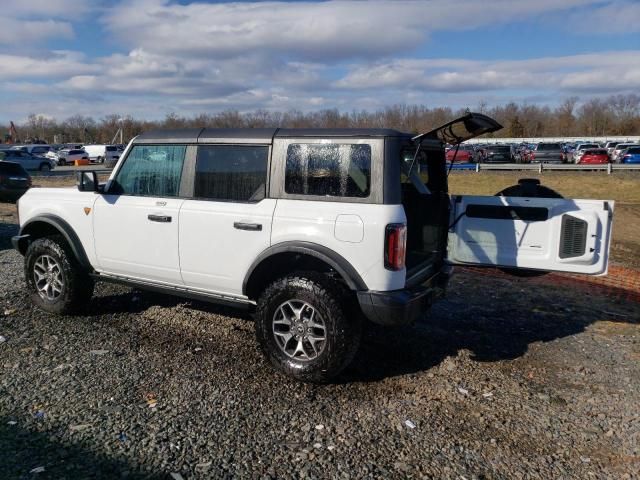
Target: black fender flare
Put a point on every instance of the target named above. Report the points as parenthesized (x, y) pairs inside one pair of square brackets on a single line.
[(334, 260), (65, 230)]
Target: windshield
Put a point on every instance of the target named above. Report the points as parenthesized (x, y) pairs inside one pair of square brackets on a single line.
[(549, 146), (500, 149)]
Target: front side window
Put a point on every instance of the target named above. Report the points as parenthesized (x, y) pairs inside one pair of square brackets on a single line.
[(151, 170), (328, 170), (236, 173)]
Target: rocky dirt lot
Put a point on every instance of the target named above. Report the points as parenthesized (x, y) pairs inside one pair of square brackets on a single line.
[(504, 379)]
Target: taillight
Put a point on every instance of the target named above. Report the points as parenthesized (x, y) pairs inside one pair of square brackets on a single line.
[(395, 246)]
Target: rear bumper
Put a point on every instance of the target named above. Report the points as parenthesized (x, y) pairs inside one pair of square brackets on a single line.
[(403, 307)]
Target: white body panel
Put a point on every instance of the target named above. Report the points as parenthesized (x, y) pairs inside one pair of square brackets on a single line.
[(315, 222), (215, 255), (129, 244), (66, 203), (530, 244)]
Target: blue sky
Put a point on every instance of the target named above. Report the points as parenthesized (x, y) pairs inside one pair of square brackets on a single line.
[(148, 58)]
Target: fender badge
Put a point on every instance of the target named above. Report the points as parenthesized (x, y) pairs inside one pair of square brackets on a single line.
[(87, 210)]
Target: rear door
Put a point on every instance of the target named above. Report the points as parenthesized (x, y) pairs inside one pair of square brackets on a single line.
[(227, 223), (547, 234)]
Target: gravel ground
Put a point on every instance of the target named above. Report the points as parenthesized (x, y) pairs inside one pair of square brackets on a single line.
[(504, 379)]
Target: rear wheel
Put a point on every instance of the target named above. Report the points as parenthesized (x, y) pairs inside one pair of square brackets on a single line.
[(55, 281), (306, 327), (45, 167)]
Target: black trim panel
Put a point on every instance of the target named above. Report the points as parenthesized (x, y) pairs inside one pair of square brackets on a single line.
[(334, 260), (175, 291), (67, 232), (506, 212)]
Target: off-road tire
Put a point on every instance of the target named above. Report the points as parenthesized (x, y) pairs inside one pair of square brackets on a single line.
[(338, 310), (77, 286)]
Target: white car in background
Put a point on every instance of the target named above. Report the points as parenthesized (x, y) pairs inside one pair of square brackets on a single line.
[(64, 157), (103, 153), (619, 148)]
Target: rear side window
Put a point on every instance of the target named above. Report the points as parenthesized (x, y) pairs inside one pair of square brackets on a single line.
[(9, 168), (151, 170), (328, 170), (111, 149), (235, 173)]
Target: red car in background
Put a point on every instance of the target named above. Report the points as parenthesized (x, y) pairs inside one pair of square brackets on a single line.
[(598, 156), (466, 154)]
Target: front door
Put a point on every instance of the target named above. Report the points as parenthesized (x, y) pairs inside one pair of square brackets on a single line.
[(227, 224), (136, 220), (547, 234)]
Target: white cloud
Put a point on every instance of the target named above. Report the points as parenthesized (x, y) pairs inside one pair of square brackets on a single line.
[(48, 8), (14, 31), (56, 64), (617, 17), (600, 72), (312, 30), (284, 55), (28, 22)]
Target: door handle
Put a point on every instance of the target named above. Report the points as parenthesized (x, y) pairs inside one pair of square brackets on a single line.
[(254, 227), (159, 218)]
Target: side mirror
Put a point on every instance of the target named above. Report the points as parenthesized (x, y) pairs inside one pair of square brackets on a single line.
[(87, 181)]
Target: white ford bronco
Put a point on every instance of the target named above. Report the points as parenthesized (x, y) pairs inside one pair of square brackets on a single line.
[(315, 230)]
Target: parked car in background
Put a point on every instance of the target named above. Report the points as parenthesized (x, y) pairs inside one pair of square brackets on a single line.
[(14, 181), (70, 156), (103, 153), (630, 155), (616, 155), (498, 154), (610, 146), (36, 149), (596, 156), (547, 153), (465, 154), (580, 149), (28, 161)]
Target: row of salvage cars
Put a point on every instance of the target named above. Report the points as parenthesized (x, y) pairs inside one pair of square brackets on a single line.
[(552, 152)]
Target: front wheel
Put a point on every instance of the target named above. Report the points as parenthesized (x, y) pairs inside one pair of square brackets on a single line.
[(55, 281), (306, 326)]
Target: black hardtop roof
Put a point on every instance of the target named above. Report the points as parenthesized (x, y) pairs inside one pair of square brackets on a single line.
[(257, 135)]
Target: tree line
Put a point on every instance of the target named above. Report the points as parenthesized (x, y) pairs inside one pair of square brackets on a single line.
[(614, 115)]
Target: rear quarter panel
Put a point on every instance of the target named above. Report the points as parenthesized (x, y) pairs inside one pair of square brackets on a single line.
[(315, 222)]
